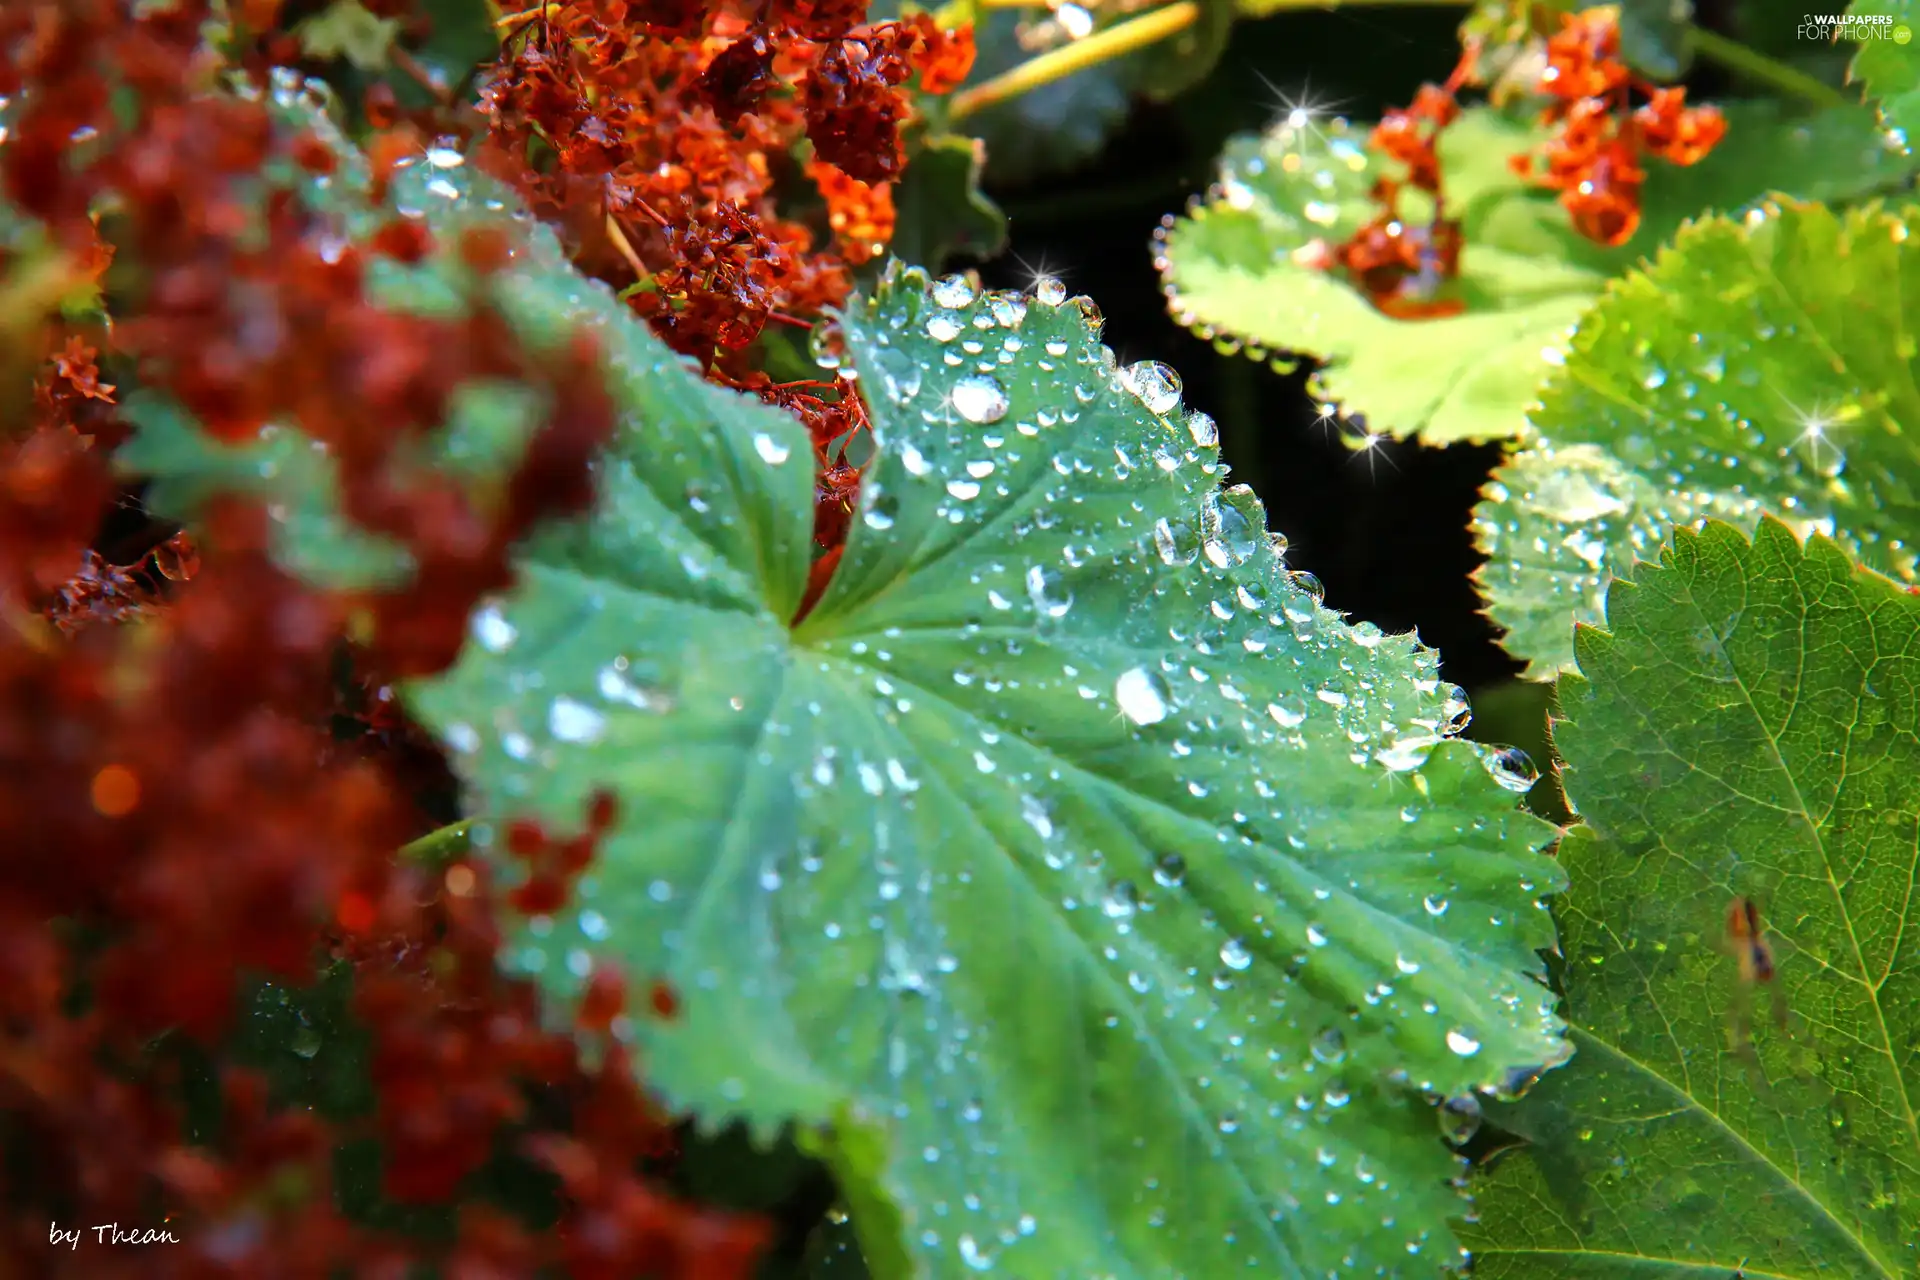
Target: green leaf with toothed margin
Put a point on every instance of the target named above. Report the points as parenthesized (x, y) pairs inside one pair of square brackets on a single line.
[(1108, 903), (1232, 267), (1762, 365), (1097, 899), (1747, 726), (1888, 62)]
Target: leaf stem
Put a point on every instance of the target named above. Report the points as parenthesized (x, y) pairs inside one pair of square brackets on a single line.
[(1761, 69), (443, 845), (1058, 64)]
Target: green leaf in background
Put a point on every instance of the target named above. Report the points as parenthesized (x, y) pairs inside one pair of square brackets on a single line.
[(345, 29), (1108, 903), (1745, 728), (1056, 128), (940, 213), (1766, 364), (1228, 267), (1172, 66), (1890, 68), (1653, 36)]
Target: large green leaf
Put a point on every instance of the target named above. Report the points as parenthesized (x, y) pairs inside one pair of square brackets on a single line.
[(941, 212), (1889, 66), (1109, 901), (1099, 901), (1228, 266), (1746, 727), (1766, 364)]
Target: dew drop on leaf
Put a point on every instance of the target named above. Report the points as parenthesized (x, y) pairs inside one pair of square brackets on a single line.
[(1330, 1047), (1153, 384), (1289, 711), (1462, 1043), (1170, 872), (1049, 292), (1513, 769), (979, 397), (494, 632), (1234, 954), (952, 292), (771, 451), (1142, 696), (1177, 546), (1460, 1118), (572, 721)]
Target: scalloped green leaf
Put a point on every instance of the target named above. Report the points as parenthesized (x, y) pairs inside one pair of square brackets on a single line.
[(1128, 896), (1890, 67), (1228, 269), (1746, 727), (1096, 898), (1766, 364), (941, 212)]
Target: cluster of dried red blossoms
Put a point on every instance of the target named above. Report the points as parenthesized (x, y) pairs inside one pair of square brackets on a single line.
[(1594, 160), (662, 156), (181, 812)]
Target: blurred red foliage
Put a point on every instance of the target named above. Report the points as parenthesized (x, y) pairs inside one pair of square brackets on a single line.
[(178, 813)]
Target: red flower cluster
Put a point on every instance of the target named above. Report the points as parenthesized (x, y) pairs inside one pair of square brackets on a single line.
[(663, 158), (177, 817), (1401, 266), (1594, 161)]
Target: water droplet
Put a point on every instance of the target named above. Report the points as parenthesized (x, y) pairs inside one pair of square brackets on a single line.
[(493, 631), (980, 398), (965, 490), (1049, 292), (1121, 901), (1460, 1118), (1203, 429), (1289, 711), (1306, 582), (572, 721), (1436, 907), (1513, 769), (953, 292), (971, 1253), (1142, 696), (771, 451), (1234, 954), (1330, 1047), (942, 327), (1170, 872), (1462, 1043), (1049, 599), (1176, 544), (1153, 384)]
